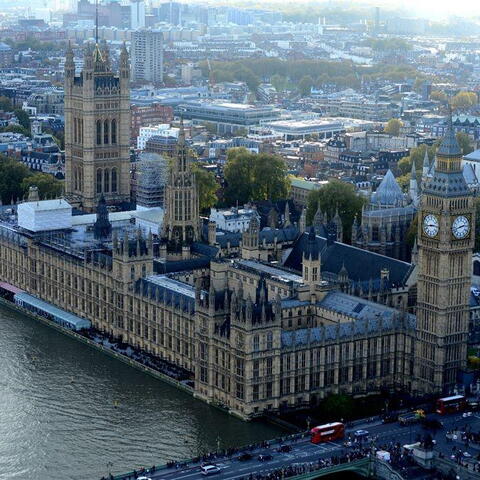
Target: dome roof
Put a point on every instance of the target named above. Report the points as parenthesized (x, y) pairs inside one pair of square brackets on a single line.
[(388, 193)]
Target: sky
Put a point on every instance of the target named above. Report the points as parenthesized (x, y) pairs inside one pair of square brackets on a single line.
[(434, 9)]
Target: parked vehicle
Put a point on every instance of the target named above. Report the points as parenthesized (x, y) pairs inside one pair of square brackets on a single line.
[(360, 434)]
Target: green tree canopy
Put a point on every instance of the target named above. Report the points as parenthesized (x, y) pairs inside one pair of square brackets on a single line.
[(465, 143), (252, 176), (439, 96), (23, 118), (338, 406), (336, 194), (16, 129), (305, 85), (278, 82), (393, 127), (5, 104), (48, 185), (12, 174), (464, 100), (207, 186)]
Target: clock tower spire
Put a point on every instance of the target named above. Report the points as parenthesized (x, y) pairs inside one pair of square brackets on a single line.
[(445, 245)]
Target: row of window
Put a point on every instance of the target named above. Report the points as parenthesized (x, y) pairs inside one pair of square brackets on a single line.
[(107, 180), (106, 132)]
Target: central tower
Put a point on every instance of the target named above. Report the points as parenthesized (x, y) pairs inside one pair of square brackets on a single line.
[(97, 129), (181, 223), (445, 244)]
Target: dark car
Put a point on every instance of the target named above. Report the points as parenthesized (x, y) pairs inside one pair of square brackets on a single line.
[(244, 457), (264, 457), (284, 448)]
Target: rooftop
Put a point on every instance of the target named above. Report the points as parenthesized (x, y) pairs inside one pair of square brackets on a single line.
[(272, 271)]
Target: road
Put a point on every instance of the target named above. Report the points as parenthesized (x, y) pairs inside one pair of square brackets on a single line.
[(304, 451)]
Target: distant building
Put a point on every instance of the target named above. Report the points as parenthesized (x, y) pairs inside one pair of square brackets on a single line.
[(6, 55), (147, 56), (162, 130), (142, 116), (233, 219), (137, 14), (301, 188), (227, 117)]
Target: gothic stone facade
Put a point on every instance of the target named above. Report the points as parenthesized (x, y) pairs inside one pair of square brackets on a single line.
[(254, 339), (97, 130)]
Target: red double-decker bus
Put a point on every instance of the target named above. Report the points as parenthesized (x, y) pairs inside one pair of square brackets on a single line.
[(455, 403), (327, 432)]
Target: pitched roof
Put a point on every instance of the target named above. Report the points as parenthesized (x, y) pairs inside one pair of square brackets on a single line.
[(362, 265), (449, 145), (388, 192)]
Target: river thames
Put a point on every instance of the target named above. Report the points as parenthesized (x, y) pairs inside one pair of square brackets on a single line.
[(70, 412)]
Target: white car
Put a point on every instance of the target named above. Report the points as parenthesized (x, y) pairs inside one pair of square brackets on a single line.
[(467, 414), (209, 469), (466, 455), (144, 478)]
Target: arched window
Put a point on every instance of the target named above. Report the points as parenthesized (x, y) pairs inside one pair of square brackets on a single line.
[(99, 132), (256, 343), (269, 342), (99, 180), (114, 180), (106, 180), (105, 131), (132, 273), (80, 179), (80, 126), (75, 135), (114, 131)]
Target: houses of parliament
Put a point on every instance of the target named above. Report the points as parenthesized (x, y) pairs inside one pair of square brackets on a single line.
[(323, 318)]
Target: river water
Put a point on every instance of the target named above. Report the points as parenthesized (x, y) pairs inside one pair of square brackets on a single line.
[(68, 411)]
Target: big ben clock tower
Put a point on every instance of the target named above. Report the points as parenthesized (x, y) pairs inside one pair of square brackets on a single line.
[(445, 240)]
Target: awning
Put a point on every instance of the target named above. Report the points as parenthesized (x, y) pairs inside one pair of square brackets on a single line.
[(10, 288)]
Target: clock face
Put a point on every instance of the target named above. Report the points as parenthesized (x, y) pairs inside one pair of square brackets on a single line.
[(430, 225), (460, 227)]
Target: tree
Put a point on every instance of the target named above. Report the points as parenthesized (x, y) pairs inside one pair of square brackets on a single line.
[(23, 118), (417, 154), (278, 82), (5, 104), (393, 127), (48, 186), (251, 176), (464, 100), (12, 174), (439, 96), (207, 186), (338, 406), (16, 129), (465, 143), (270, 181), (336, 194), (305, 86)]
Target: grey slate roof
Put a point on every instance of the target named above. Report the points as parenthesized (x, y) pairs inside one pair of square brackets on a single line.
[(362, 265), (388, 192), (449, 145)]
